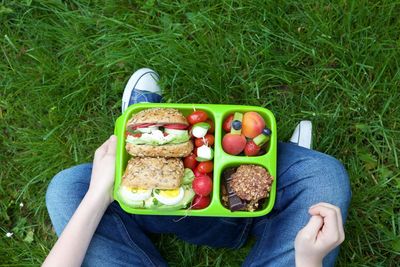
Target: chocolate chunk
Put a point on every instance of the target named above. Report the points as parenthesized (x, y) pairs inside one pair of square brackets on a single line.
[(228, 172), (234, 202)]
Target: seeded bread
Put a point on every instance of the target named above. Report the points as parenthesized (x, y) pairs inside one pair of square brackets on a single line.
[(150, 173), (175, 151), (159, 116)]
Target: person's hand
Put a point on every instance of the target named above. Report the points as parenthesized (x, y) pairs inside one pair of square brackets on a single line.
[(103, 172), (323, 233)]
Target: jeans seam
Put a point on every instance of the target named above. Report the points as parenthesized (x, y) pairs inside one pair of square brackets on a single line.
[(242, 238), (125, 233), (258, 248)]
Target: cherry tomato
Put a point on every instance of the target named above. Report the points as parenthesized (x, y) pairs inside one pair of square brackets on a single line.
[(212, 128), (190, 161), (202, 185), (227, 123), (176, 126), (200, 202), (143, 125), (251, 149), (133, 134), (209, 138), (205, 166), (195, 151), (197, 116)]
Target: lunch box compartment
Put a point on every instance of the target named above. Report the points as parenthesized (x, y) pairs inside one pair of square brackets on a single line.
[(268, 203), (217, 113), (265, 114)]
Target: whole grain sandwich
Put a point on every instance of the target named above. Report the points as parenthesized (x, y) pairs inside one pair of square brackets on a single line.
[(156, 183), (158, 132)]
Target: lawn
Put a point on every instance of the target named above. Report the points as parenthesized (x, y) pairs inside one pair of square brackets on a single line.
[(63, 66)]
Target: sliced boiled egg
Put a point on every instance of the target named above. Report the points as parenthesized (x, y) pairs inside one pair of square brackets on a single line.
[(134, 194), (169, 196)]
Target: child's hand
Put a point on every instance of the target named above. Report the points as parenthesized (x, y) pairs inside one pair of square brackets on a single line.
[(322, 234), (103, 172)]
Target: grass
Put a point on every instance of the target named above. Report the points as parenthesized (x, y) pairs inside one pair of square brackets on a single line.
[(63, 66)]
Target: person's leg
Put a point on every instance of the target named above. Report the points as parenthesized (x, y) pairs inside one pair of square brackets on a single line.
[(305, 177), (118, 240), (208, 231)]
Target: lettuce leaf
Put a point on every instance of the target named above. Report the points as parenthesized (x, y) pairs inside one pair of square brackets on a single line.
[(188, 176), (174, 139), (182, 138), (140, 141)]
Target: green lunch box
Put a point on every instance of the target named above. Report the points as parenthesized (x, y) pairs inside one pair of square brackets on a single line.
[(222, 160)]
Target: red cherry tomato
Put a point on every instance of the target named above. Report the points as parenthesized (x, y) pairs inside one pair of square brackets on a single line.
[(190, 161), (227, 123), (133, 134), (202, 185), (212, 128), (251, 149), (209, 138), (200, 202), (143, 125), (205, 166), (197, 116), (176, 126)]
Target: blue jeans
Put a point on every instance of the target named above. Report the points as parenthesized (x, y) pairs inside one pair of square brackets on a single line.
[(305, 177)]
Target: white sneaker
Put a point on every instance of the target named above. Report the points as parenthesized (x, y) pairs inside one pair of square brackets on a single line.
[(142, 87), (302, 135)]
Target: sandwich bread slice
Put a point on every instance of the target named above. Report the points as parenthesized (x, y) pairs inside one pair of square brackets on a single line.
[(158, 132), (156, 183), (150, 173)]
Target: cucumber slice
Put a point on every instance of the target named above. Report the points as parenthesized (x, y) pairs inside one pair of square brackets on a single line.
[(260, 139), (237, 117), (263, 137)]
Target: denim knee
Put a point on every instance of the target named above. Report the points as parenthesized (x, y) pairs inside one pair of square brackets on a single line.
[(330, 177), (67, 183)]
